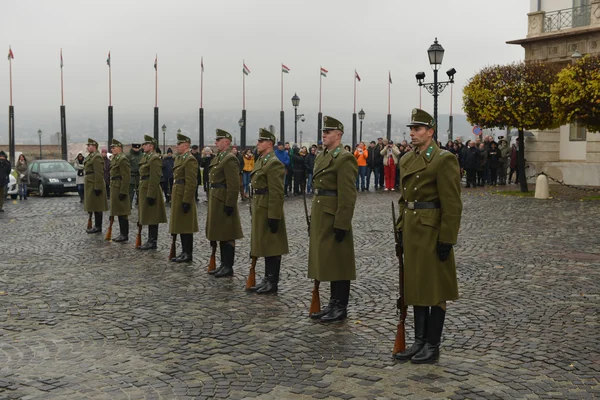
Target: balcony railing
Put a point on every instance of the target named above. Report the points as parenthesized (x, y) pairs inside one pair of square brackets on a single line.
[(567, 18)]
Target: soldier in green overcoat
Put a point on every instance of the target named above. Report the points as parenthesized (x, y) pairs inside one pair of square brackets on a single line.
[(331, 249), (184, 218), (120, 175), (223, 220), (151, 207), (94, 200), (430, 212), (269, 234)]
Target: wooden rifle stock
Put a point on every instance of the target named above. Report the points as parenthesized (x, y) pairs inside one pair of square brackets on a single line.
[(89, 225), (315, 303), (212, 264), (401, 308), (109, 231), (251, 281), (138, 238), (173, 247)]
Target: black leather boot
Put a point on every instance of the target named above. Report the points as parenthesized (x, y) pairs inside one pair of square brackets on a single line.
[(272, 275), (227, 262), (123, 230), (187, 243), (339, 310), (421, 317), (263, 280), (430, 353), (152, 238), (97, 228), (329, 306), (221, 247)]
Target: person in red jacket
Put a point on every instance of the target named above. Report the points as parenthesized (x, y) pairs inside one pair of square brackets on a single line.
[(361, 153)]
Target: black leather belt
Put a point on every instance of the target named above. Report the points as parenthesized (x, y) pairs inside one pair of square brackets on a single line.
[(89, 172), (218, 186), (420, 205), (144, 177), (261, 191), (116, 178), (322, 192), (179, 181)]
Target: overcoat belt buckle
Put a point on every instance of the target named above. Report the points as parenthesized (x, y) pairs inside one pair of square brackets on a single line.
[(410, 205), (316, 192)]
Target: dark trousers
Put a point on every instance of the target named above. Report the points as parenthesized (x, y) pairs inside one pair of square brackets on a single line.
[(493, 176), (381, 176), (502, 174), (108, 191), (375, 180), (299, 181), (340, 290), (480, 178), (471, 177), (513, 171), (187, 242), (289, 177)]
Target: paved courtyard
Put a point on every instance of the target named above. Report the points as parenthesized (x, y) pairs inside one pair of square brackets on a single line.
[(84, 318)]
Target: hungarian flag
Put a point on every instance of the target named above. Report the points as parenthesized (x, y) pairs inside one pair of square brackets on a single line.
[(356, 75), (202, 63), (285, 69), (390, 76), (246, 70), (61, 60), (155, 62), (10, 54), (324, 72), (108, 59)]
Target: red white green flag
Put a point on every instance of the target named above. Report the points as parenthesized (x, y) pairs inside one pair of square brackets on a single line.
[(155, 62), (285, 69), (390, 72), (202, 63), (108, 59), (356, 75), (246, 70), (10, 54), (324, 72)]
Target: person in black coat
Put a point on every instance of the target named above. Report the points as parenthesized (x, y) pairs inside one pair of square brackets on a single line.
[(372, 165), (470, 162), (4, 179), (299, 167), (309, 163), (198, 158), (493, 157), (167, 170), (207, 156)]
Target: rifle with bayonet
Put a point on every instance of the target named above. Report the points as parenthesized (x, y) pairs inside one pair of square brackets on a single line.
[(251, 281), (401, 308), (315, 303)]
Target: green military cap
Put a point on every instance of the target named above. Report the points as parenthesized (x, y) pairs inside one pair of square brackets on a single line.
[(149, 139), (116, 143), (421, 118), (221, 134), (264, 134), (181, 138), (92, 142), (330, 123)]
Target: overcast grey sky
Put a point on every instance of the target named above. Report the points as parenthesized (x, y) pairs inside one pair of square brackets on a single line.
[(341, 35)]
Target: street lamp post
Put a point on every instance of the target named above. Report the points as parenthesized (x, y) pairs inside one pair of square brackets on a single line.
[(361, 116), (241, 124), (40, 136), (436, 55), (164, 131), (296, 103)]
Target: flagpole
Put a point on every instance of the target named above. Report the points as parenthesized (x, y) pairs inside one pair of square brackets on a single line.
[(201, 111), (320, 115), (10, 76), (243, 127), (243, 86), (110, 107), (389, 92), (11, 114), (389, 116), (62, 93), (354, 112), (201, 80), (109, 85), (354, 115), (282, 113), (156, 98), (63, 117)]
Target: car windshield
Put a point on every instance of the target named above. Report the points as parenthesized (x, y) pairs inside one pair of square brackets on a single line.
[(56, 167)]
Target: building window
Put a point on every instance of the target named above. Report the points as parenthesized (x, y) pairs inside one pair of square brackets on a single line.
[(577, 132)]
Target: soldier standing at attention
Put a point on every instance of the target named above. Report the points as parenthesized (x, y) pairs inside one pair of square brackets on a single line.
[(184, 219), (151, 206), (120, 175), (269, 235), (94, 199), (430, 212), (331, 248), (134, 156), (223, 219)]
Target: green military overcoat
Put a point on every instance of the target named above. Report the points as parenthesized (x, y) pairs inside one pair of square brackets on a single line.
[(224, 169), (185, 180), (268, 174), (429, 176), (93, 168), (151, 167), (328, 259), (120, 176)]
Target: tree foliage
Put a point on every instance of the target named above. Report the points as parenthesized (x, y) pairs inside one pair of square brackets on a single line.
[(516, 95), (576, 94)]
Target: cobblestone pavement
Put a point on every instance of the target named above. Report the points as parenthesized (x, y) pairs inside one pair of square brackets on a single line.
[(84, 318)]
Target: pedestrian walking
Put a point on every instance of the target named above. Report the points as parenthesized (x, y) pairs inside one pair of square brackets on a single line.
[(430, 213), (269, 234), (151, 207), (184, 217), (22, 177), (223, 223), (120, 178), (95, 188), (331, 247)]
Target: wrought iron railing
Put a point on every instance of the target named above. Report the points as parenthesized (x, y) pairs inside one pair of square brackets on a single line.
[(567, 18)]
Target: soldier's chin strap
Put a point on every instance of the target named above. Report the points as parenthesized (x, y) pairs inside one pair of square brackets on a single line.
[(441, 305)]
